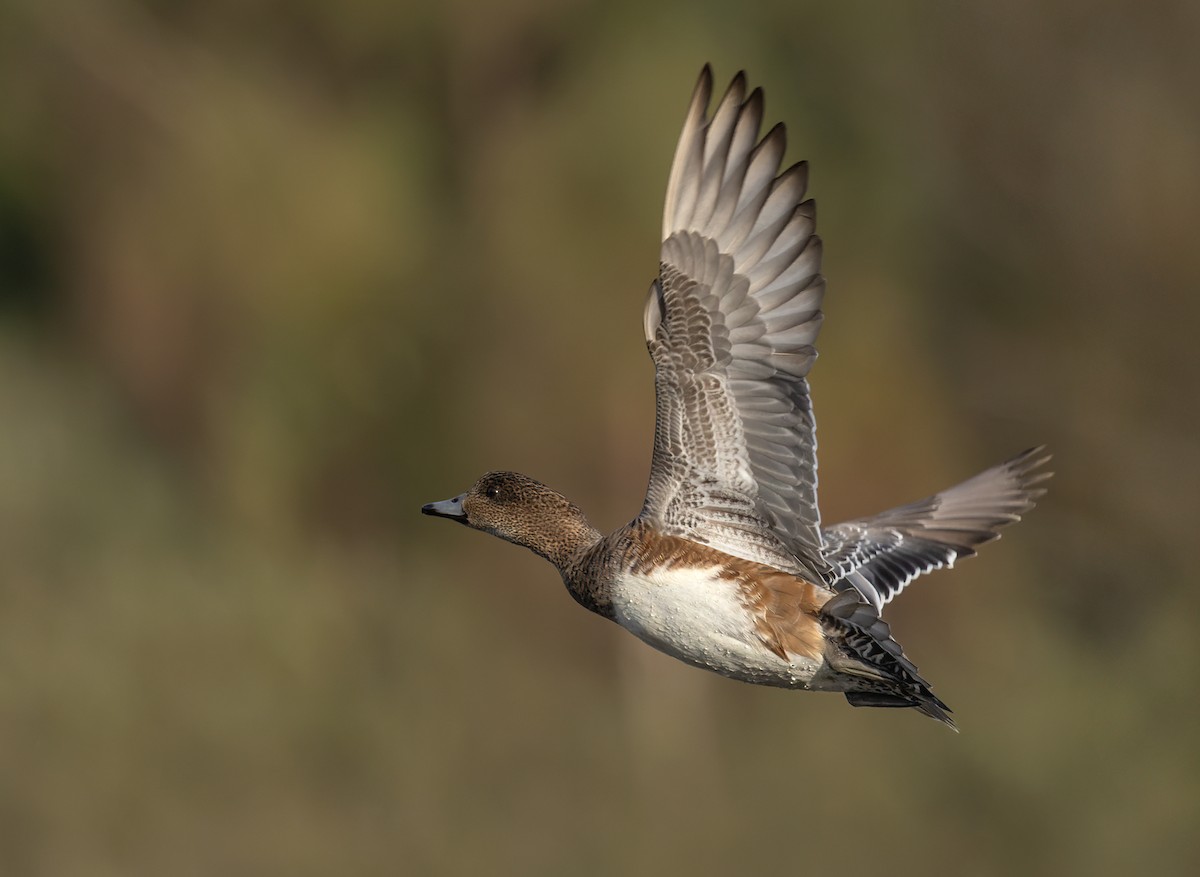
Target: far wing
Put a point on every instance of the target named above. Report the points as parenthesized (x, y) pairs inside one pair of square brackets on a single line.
[(879, 556)]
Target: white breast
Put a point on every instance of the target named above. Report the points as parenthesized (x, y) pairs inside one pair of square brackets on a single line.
[(698, 617)]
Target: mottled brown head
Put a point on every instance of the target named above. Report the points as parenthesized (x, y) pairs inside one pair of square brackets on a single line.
[(522, 511)]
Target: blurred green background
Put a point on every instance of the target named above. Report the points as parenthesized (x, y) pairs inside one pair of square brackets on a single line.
[(274, 274)]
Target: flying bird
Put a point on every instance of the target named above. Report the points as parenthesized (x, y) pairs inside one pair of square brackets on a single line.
[(727, 566)]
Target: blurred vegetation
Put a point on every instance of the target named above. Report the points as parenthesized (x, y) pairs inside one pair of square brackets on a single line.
[(274, 274)]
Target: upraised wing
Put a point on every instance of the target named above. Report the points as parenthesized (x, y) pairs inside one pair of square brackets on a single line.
[(879, 556), (731, 323)]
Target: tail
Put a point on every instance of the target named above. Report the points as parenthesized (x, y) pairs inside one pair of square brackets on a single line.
[(878, 674)]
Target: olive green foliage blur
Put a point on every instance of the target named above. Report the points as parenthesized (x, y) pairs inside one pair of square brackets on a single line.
[(272, 275)]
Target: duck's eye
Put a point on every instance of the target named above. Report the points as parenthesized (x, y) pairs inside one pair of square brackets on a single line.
[(493, 492)]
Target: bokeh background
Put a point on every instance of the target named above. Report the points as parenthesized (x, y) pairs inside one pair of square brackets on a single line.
[(273, 274)]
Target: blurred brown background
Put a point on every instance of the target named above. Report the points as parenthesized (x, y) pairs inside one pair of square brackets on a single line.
[(274, 274)]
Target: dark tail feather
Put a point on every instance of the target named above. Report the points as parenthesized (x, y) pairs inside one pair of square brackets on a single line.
[(863, 649), (932, 706)]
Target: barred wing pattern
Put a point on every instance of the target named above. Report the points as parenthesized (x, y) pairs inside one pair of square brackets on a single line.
[(880, 555), (731, 323)]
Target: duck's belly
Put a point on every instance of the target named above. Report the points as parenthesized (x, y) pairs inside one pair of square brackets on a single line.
[(697, 616)]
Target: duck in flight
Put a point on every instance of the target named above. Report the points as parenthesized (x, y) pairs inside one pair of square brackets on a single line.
[(727, 567)]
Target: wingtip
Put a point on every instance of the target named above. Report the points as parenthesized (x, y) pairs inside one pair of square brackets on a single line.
[(702, 93), (738, 83), (797, 170), (689, 149), (773, 144), (704, 84), (756, 101), (1026, 467), (701, 97), (1031, 458)]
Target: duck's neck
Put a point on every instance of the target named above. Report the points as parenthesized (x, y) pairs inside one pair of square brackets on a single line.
[(570, 539), (581, 561)]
